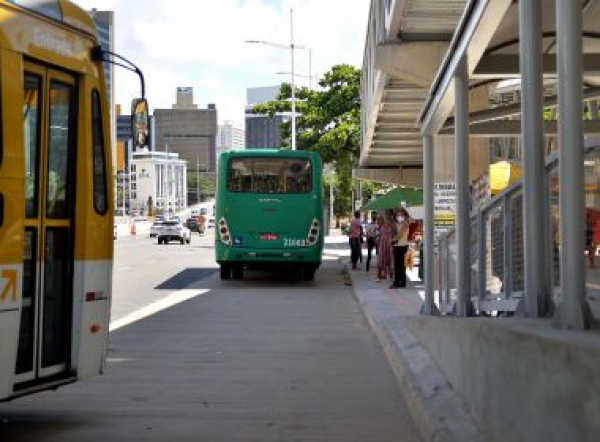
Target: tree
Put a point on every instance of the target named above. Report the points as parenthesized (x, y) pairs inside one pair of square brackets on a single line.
[(150, 205), (328, 122), (204, 182)]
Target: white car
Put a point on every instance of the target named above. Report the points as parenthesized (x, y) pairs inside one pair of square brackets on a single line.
[(174, 231), (210, 224), (155, 228)]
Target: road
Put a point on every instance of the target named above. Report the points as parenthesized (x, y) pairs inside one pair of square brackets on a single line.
[(263, 359)]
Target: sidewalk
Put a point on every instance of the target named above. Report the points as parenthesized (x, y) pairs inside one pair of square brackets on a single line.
[(481, 378), (437, 410)]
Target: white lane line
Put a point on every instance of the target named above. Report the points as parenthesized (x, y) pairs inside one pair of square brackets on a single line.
[(171, 300)]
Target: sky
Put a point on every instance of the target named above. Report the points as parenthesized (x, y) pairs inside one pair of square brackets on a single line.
[(201, 43)]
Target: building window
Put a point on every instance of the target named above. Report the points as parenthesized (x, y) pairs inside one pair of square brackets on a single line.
[(133, 186)]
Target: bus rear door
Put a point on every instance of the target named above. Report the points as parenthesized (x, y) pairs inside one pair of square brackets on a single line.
[(49, 124)]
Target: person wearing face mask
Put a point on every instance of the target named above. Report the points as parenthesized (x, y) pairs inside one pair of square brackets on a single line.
[(400, 243)]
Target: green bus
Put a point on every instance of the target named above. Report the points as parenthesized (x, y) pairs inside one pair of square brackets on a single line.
[(269, 212)]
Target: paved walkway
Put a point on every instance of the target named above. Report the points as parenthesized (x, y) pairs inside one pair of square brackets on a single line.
[(437, 410)]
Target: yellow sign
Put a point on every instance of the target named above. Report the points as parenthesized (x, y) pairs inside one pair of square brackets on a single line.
[(11, 284)]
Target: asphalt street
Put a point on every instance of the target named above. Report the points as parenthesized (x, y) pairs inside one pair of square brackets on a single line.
[(262, 359)]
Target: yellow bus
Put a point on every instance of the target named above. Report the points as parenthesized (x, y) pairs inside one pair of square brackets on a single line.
[(56, 210)]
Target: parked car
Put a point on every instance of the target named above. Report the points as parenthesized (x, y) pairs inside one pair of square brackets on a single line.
[(174, 231), (155, 228), (210, 224)]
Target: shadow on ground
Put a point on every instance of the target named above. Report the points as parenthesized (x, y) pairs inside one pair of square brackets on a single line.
[(185, 278)]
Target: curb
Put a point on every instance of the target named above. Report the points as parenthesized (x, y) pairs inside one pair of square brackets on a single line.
[(437, 410)]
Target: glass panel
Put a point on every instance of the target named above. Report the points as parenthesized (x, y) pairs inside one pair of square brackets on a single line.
[(100, 197), (269, 175), (57, 195), (27, 328), (56, 329), (31, 132)]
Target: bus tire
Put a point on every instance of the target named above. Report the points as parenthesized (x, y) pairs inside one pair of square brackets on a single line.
[(225, 271), (308, 272), (238, 271)]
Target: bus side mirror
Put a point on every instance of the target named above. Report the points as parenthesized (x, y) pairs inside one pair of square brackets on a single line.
[(140, 122)]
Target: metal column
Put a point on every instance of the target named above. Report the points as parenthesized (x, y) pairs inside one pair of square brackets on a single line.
[(573, 312), (429, 307), (535, 211), (464, 305)]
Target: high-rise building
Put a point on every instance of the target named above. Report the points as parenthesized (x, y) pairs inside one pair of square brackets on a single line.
[(230, 136), (104, 21), (188, 131), (262, 131)]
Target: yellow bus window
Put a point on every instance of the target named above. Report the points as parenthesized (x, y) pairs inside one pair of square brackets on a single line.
[(31, 129), (57, 194)]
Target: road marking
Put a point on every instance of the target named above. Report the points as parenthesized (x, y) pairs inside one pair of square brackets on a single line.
[(162, 304)]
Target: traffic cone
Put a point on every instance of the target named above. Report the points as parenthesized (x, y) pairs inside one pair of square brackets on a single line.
[(133, 229)]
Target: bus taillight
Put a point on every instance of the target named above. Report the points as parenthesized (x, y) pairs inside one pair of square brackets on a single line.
[(224, 232), (313, 232)]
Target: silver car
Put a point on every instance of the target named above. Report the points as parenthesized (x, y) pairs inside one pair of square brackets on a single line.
[(174, 231), (155, 228)]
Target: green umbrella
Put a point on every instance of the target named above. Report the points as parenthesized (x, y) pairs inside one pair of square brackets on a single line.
[(394, 198)]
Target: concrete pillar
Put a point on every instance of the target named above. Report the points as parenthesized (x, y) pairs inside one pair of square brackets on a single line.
[(535, 208), (573, 311), (464, 305), (429, 307)]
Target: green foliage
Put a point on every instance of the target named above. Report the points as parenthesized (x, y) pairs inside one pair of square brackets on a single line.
[(207, 184), (327, 122)]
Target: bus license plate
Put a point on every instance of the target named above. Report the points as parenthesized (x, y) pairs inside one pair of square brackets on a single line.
[(268, 237)]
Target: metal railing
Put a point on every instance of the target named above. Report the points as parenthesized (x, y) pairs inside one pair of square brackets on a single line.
[(497, 245)]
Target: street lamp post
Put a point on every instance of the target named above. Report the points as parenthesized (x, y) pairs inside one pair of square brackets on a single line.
[(293, 85), (291, 47)]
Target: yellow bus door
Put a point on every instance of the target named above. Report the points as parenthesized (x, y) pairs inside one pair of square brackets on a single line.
[(49, 124)]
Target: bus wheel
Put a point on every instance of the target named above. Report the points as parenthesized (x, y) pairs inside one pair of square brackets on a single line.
[(308, 272), (225, 271), (238, 271)]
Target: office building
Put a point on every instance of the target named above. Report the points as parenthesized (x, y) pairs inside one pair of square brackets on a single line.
[(262, 131), (188, 131)]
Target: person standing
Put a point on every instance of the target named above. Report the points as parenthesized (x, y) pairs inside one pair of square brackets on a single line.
[(400, 245), (384, 248), (355, 236), (372, 233)]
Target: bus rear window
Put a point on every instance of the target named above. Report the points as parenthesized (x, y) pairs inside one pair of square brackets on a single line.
[(269, 175)]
